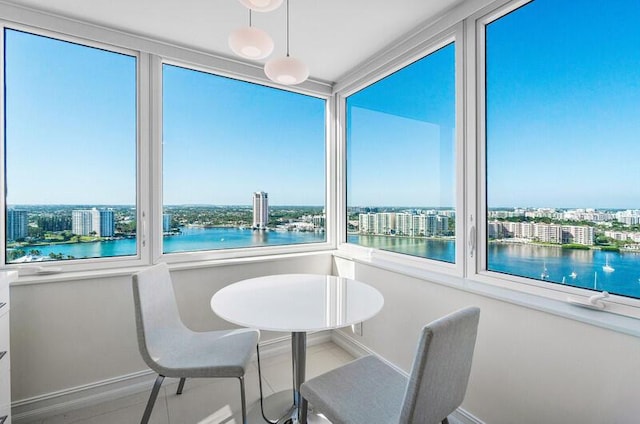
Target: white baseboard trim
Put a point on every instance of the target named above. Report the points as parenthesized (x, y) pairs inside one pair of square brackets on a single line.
[(357, 349), (63, 401)]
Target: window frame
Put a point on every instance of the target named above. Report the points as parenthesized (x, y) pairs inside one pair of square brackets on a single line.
[(240, 252), (451, 35), (141, 160), (476, 267)]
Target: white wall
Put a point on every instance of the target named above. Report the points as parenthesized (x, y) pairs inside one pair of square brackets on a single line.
[(529, 366), (66, 334)]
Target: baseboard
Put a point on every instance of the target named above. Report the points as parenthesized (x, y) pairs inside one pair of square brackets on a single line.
[(45, 406), (63, 401), (357, 349)]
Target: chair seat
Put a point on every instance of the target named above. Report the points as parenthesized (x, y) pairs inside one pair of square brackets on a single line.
[(366, 391), (205, 354)]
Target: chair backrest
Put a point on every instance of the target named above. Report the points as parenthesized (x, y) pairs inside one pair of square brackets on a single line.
[(157, 318), (441, 368)]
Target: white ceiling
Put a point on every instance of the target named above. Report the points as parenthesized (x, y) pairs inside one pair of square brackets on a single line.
[(331, 36)]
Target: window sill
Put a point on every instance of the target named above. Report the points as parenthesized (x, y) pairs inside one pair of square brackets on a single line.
[(607, 320), (67, 275)]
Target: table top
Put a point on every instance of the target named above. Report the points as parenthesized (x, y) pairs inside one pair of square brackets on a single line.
[(297, 302)]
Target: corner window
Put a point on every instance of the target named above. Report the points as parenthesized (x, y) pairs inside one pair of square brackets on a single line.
[(243, 164), (70, 150), (401, 138), (562, 107)]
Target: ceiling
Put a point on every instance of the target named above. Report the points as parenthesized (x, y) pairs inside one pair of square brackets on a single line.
[(331, 36)]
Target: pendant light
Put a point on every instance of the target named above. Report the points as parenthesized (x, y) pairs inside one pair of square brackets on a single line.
[(250, 42), (286, 70), (261, 5)]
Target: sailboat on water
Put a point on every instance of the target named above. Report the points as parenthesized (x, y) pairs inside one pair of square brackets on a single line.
[(606, 267), (545, 272)]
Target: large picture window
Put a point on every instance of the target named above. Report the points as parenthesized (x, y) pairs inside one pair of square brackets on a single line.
[(562, 139), (401, 138), (70, 150), (243, 164)]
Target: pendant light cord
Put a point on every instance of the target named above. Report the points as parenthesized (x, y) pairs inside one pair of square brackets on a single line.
[(287, 28), (249, 17)]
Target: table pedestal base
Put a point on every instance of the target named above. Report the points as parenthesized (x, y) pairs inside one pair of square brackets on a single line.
[(279, 408)]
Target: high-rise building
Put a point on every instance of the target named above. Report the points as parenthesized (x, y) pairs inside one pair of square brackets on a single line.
[(107, 226), (166, 222), (81, 222), (260, 210), (84, 222), (16, 224)]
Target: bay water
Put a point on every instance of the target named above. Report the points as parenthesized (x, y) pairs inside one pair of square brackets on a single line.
[(580, 268)]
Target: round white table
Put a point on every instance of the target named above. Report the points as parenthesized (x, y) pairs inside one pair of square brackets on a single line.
[(297, 303)]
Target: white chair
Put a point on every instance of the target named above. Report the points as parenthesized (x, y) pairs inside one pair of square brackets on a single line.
[(172, 350), (368, 391)]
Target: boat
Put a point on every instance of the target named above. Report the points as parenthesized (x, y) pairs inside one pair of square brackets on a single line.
[(545, 272), (606, 267), (573, 275)]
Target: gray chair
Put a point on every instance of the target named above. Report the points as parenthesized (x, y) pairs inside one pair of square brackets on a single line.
[(172, 350), (369, 391)]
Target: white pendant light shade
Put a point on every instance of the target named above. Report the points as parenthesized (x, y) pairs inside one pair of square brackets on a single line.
[(251, 43), (286, 70), (262, 5)]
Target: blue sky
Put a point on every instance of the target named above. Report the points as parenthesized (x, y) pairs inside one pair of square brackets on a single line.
[(563, 103), (401, 136), (71, 123), (225, 139), (71, 132)]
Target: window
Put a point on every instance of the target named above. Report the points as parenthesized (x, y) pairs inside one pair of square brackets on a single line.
[(401, 138), (562, 107), (243, 164), (70, 150)]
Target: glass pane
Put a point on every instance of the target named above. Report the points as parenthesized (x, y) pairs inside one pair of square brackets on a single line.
[(243, 164), (401, 160), (70, 145), (563, 100)]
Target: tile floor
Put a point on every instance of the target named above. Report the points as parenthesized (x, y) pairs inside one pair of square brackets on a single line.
[(206, 401)]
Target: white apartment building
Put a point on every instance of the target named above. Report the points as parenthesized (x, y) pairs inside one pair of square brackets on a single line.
[(260, 210), (403, 223), (366, 222), (84, 222), (580, 234), (546, 233), (629, 217), (384, 223)]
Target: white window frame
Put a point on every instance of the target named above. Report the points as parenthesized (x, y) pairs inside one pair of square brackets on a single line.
[(476, 268), (240, 252), (142, 252), (420, 50)]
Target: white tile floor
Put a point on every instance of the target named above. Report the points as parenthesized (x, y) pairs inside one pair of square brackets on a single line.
[(206, 401)]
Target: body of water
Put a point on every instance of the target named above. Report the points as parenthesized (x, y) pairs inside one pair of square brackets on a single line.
[(580, 268), (188, 240)]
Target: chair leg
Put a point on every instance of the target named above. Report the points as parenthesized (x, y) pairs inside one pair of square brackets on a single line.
[(152, 399), (243, 400), (302, 413), (181, 385)]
